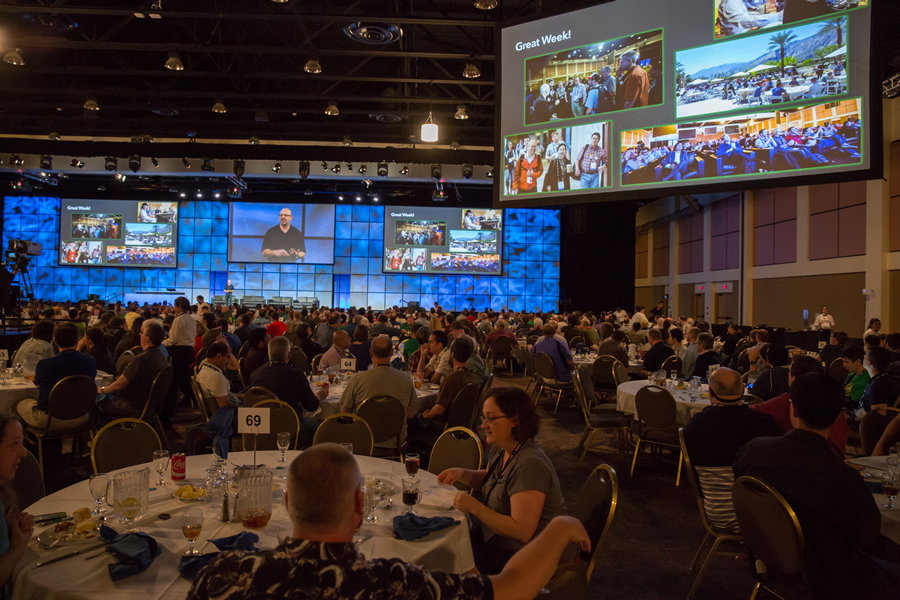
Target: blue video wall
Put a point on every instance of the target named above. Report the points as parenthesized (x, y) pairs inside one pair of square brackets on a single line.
[(530, 264)]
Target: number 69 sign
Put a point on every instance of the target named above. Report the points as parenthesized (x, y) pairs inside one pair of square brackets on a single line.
[(253, 420)]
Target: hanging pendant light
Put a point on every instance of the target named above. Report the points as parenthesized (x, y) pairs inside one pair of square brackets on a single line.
[(429, 130)]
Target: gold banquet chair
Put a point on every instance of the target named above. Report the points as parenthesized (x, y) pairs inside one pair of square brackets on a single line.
[(346, 428), (282, 417), (71, 400), (386, 416), (458, 447), (605, 421), (123, 443), (655, 411)]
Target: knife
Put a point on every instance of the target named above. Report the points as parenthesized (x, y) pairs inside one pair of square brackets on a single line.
[(65, 556)]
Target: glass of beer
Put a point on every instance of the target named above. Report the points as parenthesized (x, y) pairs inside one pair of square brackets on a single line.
[(411, 495), (412, 464), (420, 379), (191, 526)]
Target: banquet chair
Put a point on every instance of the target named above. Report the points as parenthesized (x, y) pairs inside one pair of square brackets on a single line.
[(605, 420), (155, 400), (123, 360), (315, 363), (714, 533), (461, 412), (547, 374), (532, 340), (607, 374), (502, 350), (573, 343), (205, 402), (282, 417), (123, 443), (527, 359), (244, 382), (299, 360), (71, 399), (751, 399), (243, 351), (196, 441), (673, 363), (656, 413), (385, 415), (458, 447), (837, 371), (344, 428), (872, 427), (28, 483), (772, 534), (743, 361), (257, 394)]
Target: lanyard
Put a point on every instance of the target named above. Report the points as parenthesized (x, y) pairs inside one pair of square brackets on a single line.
[(486, 493)]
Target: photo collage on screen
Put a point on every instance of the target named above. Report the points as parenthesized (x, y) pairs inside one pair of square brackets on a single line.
[(467, 243), (140, 234), (738, 17)]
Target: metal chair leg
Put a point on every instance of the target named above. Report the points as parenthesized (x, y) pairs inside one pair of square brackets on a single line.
[(680, 462), (558, 398), (702, 573), (699, 552), (584, 436), (755, 591), (634, 460)]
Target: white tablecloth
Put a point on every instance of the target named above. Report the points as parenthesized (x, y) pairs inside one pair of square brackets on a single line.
[(634, 366), (332, 403), (76, 578), (890, 519), (685, 408), (15, 390)]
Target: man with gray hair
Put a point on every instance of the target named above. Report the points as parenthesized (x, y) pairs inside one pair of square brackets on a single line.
[(637, 83), (579, 97), (689, 358), (381, 380), (320, 560), (707, 357)]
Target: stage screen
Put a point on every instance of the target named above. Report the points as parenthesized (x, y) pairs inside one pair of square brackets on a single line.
[(281, 233), (645, 98), (118, 233), (443, 240)]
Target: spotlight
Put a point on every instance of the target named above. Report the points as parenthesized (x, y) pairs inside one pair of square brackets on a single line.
[(120, 177), (77, 164), (112, 163), (349, 166), (304, 169), (461, 113), (336, 169), (382, 169), (308, 192), (490, 173), (347, 142), (174, 63), (375, 198), (134, 163), (312, 66), (14, 57), (91, 104), (183, 195), (155, 163), (485, 4), (404, 170), (186, 163), (219, 108), (471, 71), (468, 171), (332, 110), (217, 195), (341, 197), (455, 145), (254, 141), (359, 198), (21, 185), (46, 162), (324, 166), (276, 168), (199, 194), (207, 165), (54, 136), (429, 130), (15, 161), (435, 171), (438, 195), (238, 168), (362, 169)]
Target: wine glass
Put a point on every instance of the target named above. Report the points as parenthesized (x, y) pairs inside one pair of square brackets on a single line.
[(348, 446), (412, 464), (374, 494), (99, 484), (411, 495), (191, 526), (890, 484), (161, 460), (283, 439)]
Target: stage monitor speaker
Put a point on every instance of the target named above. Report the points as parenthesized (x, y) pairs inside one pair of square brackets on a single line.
[(414, 305)]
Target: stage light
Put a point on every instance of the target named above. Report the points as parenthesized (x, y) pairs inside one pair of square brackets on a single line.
[(183, 195), (54, 136), (324, 166), (112, 163), (341, 197), (404, 170), (238, 168), (174, 63), (347, 142), (429, 130), (134, 163), (308, 192), (91, 104), (375, 198), (382, 169), (276, 167), (435, 171), (485, 4), (455, 145), (207, 165), (349, 166), (120, 177), (332, 109), (217, 195), (304, 169), (362, 169), (336, 169), (186, 163), (490, 173), (461, 113), (312, 66), (468, 171), (199, 194), (254, 141), (14, 57), (359, 198), (219, 108), (155, 163), (471, 71), (46, 162), (77, 164), (15, 161)]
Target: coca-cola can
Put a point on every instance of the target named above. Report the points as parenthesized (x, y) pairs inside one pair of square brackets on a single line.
[(179, 466), (325, 387)]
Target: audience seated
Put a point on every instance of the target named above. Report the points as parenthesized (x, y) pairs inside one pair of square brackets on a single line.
[(16, 527), (340, 344), (675, 337), (258, 354), (614, 346), (558, 352), (94, 343), (127, 395), (500, 331), (857, 378), (38, 345), (429, 422), (212, 378), (308, 345), (657, 354), (360, 347), (774, 380), (689, 358), (832, 351)]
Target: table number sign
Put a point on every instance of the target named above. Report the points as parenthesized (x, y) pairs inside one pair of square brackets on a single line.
[(348, 364), (253, 420)]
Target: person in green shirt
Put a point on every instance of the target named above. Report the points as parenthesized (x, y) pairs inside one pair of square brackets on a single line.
[(407, 325), (857, 379)]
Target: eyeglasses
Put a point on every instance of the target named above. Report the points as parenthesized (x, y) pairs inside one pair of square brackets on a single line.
[(490, 420)]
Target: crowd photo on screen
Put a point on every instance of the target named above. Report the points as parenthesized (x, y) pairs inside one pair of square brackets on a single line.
[(480, 242), (107, 227), (465, 263), (145, 234), (149, 257), (420, 233), (598, 78), (736, 17), (801, 138), (787, 65), (405, 259)]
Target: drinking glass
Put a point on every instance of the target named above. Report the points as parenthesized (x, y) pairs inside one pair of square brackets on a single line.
[(420, 379), (890, 484), (412, 464), (348, 446), (99, 483), (4, 375), (411, 495), (191, 526), (161, 461), (374, 495), (283, 439)]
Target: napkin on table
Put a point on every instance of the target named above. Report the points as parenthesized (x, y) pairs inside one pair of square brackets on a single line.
[(412, 527), (191, 565), (135, 552), (439, 498)]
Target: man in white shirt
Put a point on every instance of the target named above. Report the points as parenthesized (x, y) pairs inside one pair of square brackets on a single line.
[(621, 315), (640, 317), (213, 380), (824, 320), (339, 345), (180, 345), (439, 366), (38, 345)]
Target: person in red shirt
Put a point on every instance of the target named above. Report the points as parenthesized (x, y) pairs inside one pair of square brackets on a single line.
[(395, 261), (528, 168), (780, 406)]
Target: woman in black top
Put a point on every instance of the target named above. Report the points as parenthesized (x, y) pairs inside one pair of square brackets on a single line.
[(556, 174), (95, 344)]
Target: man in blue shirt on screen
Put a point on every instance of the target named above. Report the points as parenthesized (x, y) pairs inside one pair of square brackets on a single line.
[(283, 242)]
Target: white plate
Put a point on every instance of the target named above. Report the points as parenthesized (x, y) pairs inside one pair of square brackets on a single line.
[(48, 537)]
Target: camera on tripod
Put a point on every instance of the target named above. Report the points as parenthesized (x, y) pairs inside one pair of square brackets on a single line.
[(20, 251)]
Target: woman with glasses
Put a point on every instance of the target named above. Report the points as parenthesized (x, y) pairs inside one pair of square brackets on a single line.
[(518, 493)]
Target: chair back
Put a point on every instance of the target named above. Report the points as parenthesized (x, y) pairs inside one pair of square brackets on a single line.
[(743, 361), (568, 583), (532, 340), (529, 362), (872, 427), (346, 427), (159, 389), (752, 399), (205, 402), (29, 482), (573, 343), (595, 508), (584, 391), (463, 407), (695, 482), (241, 374), (123, 360), (282, 417), (501, 347), (605, 373), (315, 362), (836, 370), (201, 356), (196, 441), (243, 351), (673, 363), (123, 443), (655, 406), (458, 447), (485, 389), (770, 527), (385, 416), (544, 366), (72, 397), (299, 360), (257, 394)]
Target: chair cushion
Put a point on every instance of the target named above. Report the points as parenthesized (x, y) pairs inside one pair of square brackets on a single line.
[(609, 420), (666, 436), (604, 408)]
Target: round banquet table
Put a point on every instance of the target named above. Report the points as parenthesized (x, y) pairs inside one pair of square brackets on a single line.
[(15, 390), (332, 403), (890, 519), (634, 366), (685, 406), (76, 578)]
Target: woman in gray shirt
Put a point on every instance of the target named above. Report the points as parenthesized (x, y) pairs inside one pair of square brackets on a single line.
[(518, 493)]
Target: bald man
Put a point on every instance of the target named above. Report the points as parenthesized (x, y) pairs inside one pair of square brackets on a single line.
[(340, 343), (284, 242)]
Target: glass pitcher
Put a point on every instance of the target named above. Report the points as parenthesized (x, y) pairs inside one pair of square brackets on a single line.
[(28, 368), (131, 496), (254, 501)]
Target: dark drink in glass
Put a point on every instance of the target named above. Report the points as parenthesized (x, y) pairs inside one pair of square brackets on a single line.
[(412, 464), (410, 498)]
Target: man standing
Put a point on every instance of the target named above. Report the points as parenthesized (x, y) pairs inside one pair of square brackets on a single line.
[(637, 83), (657, 354), (590, 161), (579, 97), (824, 320), (229, 294), (283, 242), (180, 346), (529, 167)]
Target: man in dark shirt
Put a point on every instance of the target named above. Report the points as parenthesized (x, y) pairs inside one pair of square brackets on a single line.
[(127, 395), (289, 385), (883, 388), (283, 242), (258, 354), (773, 381), (613, 346), (657, 354), (837, 513), (707, 356), (320, 560), (307, 344), (244, 328), (731, 339), (832, 351)]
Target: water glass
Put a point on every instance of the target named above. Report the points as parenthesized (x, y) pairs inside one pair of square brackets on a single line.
[(283, 439), (374, 495), (191, 526), (99, 484), (348, 446), (161, 461)]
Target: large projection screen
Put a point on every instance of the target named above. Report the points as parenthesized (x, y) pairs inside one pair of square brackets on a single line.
[(688, 96)]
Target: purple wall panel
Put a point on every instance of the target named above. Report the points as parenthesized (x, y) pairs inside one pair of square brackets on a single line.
[(717, 253), (697, 226), (823, 235), (765, 202), (684, 258), (785, 242), (785, 204), (684, 230), (763, 244), (718, 213), (823, 198), (852, 193), (733, 250), (852, 231), (733, 207), (697, 256)]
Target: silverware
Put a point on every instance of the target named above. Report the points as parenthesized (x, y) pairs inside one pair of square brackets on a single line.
[(101, 553), (363, 539), (65, 556)]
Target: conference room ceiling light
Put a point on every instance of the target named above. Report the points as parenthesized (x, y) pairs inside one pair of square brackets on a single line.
[(429, 130), (91, 104), (120, 177), (77, 164), (332, 110), (382, 169), (362, 169), (14, 57), (199, 194), (468, 171), (217, 195), (253, 141), (174, 62), (15, 160), (186, 163), (374, 198), (276, 168), (54, 136), (303, 169), (207, 165), (461, 113), (336, 169), (219, 108), (238, 168), (347, 142), (435, 171), (155, 163), (471, 71), (280, 1), (404, 170), (324, 166), (490, 173), (358, 198), (134, 163), (486, 4), (46, 162), (455, 145), (341, 197), (112, 163), (183, 195), (312, 67), (308, 192)]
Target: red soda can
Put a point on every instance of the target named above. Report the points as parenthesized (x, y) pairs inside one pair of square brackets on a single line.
[(179, 465), (325, 387)]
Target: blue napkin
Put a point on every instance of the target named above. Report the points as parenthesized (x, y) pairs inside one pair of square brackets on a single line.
[(874, 487), (134, 551), (191, 565), (411, 527), (220, 428)]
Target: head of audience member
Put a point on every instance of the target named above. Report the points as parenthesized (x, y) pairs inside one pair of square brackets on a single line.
[(675, 336), (875, 324), (838, 338), (302, 330), (94, 338), (509, 417), (549, 330), (725, 386), (43, 330), (437, 341), (457, 329), (892, 341), (852, 359), (762, 336), (209, 319), (152, 335), (816, 401), (341, 340), (218, 354), (280, 349), (381, 350), (461, 351), (654, 336), (257, 339), (618, 336), (572, 320), (636, 326), (777, 355), (692, 334), (538, 323), (703, 326), (361, 334), (12, 451), (879, 359), (606, 330), (629, 59), (585, 324), (182, 305), (66, 336), (804, 364), (872, 340), (705, 342)]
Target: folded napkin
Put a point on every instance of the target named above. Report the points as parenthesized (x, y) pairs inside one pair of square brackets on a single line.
[(191, 565), (134, 551), (440, 498), (411, 527)]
